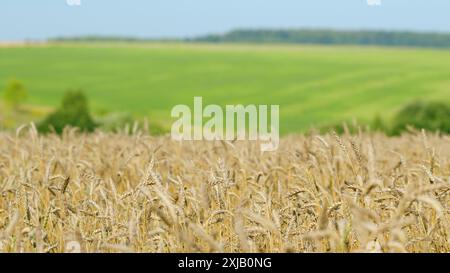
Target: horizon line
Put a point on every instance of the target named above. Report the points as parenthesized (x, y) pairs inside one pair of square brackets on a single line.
[(193, 37)]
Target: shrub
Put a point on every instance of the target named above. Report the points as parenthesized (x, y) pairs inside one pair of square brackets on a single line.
[(73, 112), (157, 129), (114, 121), (378, 124), (431, 116), (14, 93), (119, 121)]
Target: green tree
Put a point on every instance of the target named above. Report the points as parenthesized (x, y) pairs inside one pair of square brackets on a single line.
[(74, 111), (431, 116), (14, 93)]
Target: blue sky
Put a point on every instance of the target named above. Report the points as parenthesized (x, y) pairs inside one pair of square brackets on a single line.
[(40, 19)]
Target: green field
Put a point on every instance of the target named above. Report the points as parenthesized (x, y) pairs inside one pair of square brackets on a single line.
[(314, 85)]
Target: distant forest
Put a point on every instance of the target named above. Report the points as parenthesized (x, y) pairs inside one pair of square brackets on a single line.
[(329, 37), (300, 36)]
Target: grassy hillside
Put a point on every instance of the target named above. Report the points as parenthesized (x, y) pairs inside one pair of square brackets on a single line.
[(313, 85)]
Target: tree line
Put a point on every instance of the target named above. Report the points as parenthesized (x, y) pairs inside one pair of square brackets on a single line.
[(329, 37), (294, 36)]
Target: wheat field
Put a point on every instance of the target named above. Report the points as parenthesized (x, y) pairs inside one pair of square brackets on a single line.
[(131, 192)]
